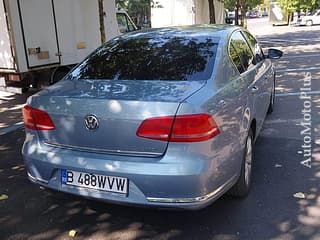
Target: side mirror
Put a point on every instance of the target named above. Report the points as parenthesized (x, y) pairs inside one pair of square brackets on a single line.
[(274, 53)]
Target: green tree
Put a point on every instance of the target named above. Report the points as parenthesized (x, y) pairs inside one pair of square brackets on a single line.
[(253, 3), (297, 5), (289, 5), (230, 4), (241, 6)]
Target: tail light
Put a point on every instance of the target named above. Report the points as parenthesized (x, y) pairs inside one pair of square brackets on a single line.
[(36, 119), (185, 128)]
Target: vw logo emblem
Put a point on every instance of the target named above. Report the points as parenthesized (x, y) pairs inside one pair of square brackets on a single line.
[(91, 122)]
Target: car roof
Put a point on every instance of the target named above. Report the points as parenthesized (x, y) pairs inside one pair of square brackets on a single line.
[(214, 30)]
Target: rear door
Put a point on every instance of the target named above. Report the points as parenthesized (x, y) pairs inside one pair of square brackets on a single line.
[(6, 56), (256, 92), (39, 32), (264, 77)]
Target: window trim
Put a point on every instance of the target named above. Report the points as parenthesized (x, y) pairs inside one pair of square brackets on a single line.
[(248, 42)]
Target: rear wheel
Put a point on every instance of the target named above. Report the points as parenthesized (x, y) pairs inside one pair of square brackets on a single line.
[(309, 23), (242, 186)]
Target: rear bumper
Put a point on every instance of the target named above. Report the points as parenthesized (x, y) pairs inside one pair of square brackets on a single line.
[(137, 199), (170, 181)]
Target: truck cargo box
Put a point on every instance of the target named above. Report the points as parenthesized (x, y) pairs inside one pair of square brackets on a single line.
[(43, 39)]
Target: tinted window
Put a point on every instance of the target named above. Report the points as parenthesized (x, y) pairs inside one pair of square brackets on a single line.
[(235, 58), (243, 50), (256, 49), (151, 58)]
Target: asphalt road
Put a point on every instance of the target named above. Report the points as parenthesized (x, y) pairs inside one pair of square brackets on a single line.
[(281, 169)]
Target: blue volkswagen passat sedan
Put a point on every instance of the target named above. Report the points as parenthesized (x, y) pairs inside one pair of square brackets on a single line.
[(162, 117)]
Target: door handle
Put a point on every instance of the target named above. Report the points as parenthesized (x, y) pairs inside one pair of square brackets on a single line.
[(254, 89), (222, 103)]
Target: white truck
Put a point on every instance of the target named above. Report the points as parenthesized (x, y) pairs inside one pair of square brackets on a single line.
[(40, 40), (185, 12)]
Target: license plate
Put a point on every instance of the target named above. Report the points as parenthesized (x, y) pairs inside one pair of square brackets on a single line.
[(95, 181)]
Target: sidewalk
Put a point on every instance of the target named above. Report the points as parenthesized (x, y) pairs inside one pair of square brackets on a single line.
[(10, 110)]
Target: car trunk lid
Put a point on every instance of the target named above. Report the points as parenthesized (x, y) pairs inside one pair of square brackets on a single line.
[(119, 106)]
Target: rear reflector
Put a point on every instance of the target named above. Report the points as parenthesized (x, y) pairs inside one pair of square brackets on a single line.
[(14, 77), (36, 119), (185, 128)]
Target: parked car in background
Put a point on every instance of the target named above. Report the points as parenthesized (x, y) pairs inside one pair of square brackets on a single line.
[(310, 20), (254, 14), (264, 13), (161, 117), (229, 17)]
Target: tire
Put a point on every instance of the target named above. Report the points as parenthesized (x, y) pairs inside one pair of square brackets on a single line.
[(272, 98), (242, 186), (57, 74), (309, 23)]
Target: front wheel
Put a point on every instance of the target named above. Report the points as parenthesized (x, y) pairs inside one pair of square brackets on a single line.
[(242, 186)]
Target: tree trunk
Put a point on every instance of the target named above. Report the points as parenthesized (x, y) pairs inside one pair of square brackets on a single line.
[(243, 13), (236, 14), (101, 21), (212, 12)]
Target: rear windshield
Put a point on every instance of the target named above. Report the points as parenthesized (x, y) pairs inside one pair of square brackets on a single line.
[(143, 58)]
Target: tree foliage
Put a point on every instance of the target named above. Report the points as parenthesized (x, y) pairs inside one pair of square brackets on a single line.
[(231, 4), (296, 5)]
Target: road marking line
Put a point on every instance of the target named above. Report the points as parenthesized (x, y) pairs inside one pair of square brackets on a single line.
[(11, 128), (296, 93), (290, 41), (297, 69), (275, 121), (300, 56)]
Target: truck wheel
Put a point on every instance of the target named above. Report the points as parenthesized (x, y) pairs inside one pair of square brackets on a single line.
[(57, 74), (242, 186), (309, 23)]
